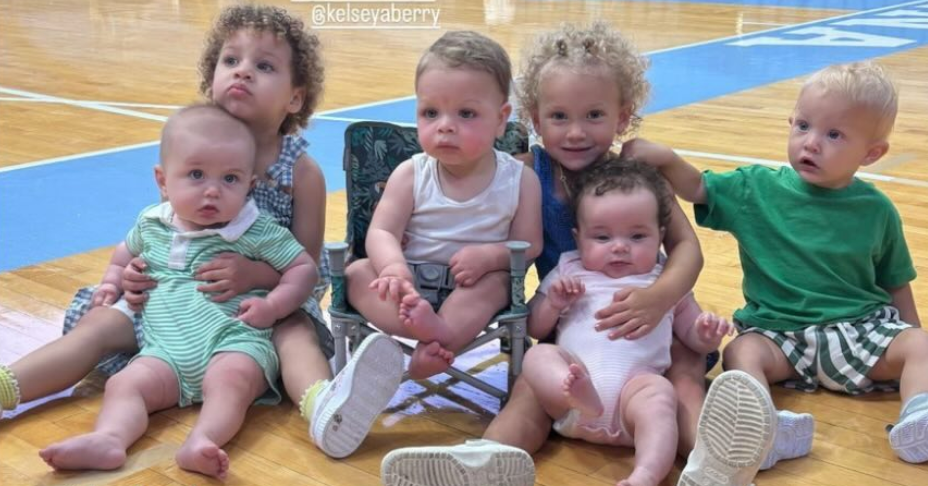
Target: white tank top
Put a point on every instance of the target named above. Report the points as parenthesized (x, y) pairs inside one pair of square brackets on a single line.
[(440, 226)]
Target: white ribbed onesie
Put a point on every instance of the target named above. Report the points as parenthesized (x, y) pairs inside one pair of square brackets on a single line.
[(610, 363)]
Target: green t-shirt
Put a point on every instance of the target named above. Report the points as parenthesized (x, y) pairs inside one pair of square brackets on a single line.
[(810, 255)]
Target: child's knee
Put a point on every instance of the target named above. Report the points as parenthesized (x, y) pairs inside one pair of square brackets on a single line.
[(652, 391), (913, 343), (541, 355), (234, 373)]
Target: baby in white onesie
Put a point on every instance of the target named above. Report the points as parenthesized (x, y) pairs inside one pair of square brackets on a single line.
[(596, 389)]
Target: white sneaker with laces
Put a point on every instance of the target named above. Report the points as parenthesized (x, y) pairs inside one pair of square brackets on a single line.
[(474, 463), (734, 434), (909, 438), (793, 438), (347, 406)]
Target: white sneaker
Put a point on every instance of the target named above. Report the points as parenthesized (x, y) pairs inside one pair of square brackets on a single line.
[(909, 438), (793, 438), (735, 433), (348, 405), (474, 463)]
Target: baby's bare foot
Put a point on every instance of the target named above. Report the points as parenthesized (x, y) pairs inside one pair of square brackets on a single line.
[(421, 320), (429, 359), (640, 477), (580, 393), (203, 456), (89, 451)]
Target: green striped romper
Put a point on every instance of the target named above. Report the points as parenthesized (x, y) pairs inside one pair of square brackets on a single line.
[(182, 326)]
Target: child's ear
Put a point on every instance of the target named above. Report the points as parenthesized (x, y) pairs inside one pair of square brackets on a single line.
[(159, 179), (876, 152), (296, 100), (504, 113), (625, 119)]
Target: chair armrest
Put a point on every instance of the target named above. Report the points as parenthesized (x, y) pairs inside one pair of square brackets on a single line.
[(517, 268), (337, 255)]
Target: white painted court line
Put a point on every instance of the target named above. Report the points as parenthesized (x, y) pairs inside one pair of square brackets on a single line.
[(82, 104), (773, 163), (78, 156)]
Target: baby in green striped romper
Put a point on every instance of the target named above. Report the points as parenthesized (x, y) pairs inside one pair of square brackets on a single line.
[(196, 350)]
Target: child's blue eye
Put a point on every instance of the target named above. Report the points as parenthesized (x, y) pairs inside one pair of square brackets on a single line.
[(265, 67), (195, 174), (229, 61), (557, 115), (468, 114), (595, 114), (231, 178), (834, 134), (802, 126), (430, 113)]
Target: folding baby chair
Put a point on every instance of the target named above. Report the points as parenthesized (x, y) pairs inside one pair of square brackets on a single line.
[(372, 151)]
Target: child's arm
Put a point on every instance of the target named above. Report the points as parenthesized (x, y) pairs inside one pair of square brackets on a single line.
[(111, 286), (685, 179), (545, 308), (473, 262), (296, 285), (905, 302), (705, 335), (385, 233)]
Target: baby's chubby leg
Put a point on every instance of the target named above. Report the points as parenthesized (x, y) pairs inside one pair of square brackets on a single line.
[(648, 408), (382, 310), (232, 382), (560, 382), (462, 316), (145, 386)]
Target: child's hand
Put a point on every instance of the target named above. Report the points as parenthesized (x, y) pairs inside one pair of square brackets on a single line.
[(711, 328), (634, 313), (649, 152), (136, 284), (468, 265), (392, 287), (106, 295), (257, 312), (229, 274), (564, 292)]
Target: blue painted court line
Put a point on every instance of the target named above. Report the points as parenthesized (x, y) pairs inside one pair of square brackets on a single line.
[(52, 211)]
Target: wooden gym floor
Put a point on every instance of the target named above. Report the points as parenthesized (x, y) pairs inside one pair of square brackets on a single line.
[(85, 86)]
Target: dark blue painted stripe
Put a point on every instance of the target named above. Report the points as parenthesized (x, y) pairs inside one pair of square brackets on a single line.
[(52, 211), (56, 210)]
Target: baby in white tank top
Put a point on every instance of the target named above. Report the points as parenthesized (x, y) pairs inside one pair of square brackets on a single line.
[(446, 214)]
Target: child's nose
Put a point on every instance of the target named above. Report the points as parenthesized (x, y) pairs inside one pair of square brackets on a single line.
[(243, 71), (445, 125), (575, 132), (212, 190), (811, 143), (620, 246)]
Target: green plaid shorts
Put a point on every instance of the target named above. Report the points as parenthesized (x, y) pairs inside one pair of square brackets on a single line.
[(838, 356)]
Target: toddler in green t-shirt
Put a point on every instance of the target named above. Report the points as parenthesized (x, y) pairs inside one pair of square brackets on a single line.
[(827, 271)]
